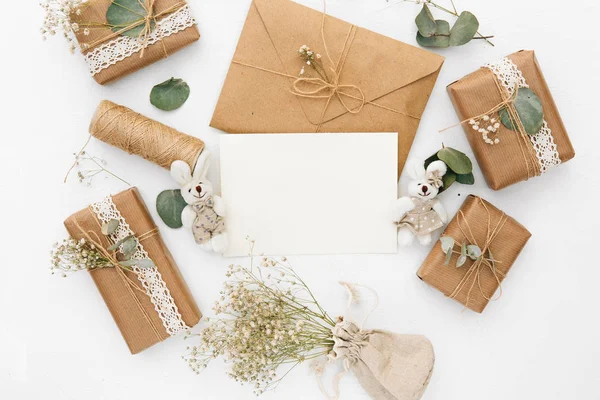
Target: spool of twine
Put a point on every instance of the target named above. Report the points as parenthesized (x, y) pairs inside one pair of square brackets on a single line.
[(140, 135)]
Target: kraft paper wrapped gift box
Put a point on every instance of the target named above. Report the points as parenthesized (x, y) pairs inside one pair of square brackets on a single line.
[(476, 282), (396, 79), (515, 157), (111, 56), (135, 311)]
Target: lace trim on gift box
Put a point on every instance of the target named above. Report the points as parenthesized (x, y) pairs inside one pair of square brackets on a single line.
[(546, 150), (150, 278), (122, 47)]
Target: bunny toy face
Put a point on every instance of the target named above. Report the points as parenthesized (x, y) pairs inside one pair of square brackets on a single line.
[(196, 191), (195, 187), (426, 184)]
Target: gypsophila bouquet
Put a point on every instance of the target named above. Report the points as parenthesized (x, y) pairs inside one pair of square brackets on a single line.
[(88, 253), (57, 19), (267, 322), (72, 255)]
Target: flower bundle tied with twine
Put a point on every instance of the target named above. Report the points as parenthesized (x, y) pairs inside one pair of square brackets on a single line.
[(268, 322)]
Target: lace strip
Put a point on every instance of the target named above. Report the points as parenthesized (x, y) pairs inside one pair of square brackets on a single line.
[(546, 150), (150, 278), (122, 47)]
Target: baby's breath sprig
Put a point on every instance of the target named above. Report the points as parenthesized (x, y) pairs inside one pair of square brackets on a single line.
[(58, 19), (96, 167), (72, 255), (267, 320), (313, 60)]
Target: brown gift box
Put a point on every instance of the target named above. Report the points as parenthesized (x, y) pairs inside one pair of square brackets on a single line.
[(94, 12), (256, 99), (132, 310), (505, 247), (504, 164)]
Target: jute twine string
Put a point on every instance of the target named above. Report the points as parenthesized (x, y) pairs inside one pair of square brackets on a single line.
[(508, 100), (146, 20), (137, 134), (482, 263), (94, 239), (330, 87)]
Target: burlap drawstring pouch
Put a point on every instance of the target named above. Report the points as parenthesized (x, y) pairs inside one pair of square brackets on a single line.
[(389, 366)]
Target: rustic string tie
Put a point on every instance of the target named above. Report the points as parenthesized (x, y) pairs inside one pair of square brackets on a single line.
[(146, 20), (93, 238), (482, 263), (508, 103), (329, 87)]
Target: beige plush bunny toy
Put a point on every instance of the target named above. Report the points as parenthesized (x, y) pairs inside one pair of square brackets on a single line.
[(420, 213)]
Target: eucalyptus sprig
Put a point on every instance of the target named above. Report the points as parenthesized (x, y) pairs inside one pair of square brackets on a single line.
[(72, 255), (466, 251), (268, 320), (437, 33), (460, 167)]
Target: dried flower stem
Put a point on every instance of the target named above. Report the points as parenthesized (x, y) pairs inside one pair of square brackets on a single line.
[(268, 318), (86, 176)]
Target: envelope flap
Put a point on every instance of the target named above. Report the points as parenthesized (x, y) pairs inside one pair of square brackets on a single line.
[(374, 63)]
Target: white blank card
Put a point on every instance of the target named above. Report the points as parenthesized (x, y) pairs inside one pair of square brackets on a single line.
[(310, 193)]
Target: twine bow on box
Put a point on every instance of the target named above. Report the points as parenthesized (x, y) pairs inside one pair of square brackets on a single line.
[(480, 254), (147, 21)]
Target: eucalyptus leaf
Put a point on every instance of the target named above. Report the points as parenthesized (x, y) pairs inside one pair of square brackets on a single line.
[(129, 247), (128, 263), (448, 179), (441, 37), (119, 243), (461, 261), (110, 227), (425, 22), (464, 29), (145, 263), (473, 251), (456, 160), (447, 244), (124, 13), (530, 110), (448, 258), (465, 179), (170, 95), (169, 205)]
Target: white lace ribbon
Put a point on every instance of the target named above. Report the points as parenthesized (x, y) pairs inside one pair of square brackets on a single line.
[(122, 47), (150, 278), (546, 150)]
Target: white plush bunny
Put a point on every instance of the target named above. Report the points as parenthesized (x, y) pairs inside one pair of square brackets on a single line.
[(205, 211), (420, 213)]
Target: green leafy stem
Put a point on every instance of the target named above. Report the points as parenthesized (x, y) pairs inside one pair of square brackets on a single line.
[(466, 251)]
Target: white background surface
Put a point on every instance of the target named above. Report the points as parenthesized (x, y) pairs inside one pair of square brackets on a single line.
[(539, 341)]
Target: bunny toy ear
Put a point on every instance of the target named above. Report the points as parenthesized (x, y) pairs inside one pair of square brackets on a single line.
[(202, 165), (180, 171), (416, 169), (438, 166)]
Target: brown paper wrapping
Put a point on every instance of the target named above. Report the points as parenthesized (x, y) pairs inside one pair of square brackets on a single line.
[(505, 248), (122, 127), (140, 326), (95, 12), (390, 73), (503, 164)]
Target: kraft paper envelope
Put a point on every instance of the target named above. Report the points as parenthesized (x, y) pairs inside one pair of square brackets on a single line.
[(309, 193), (395, 78)]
